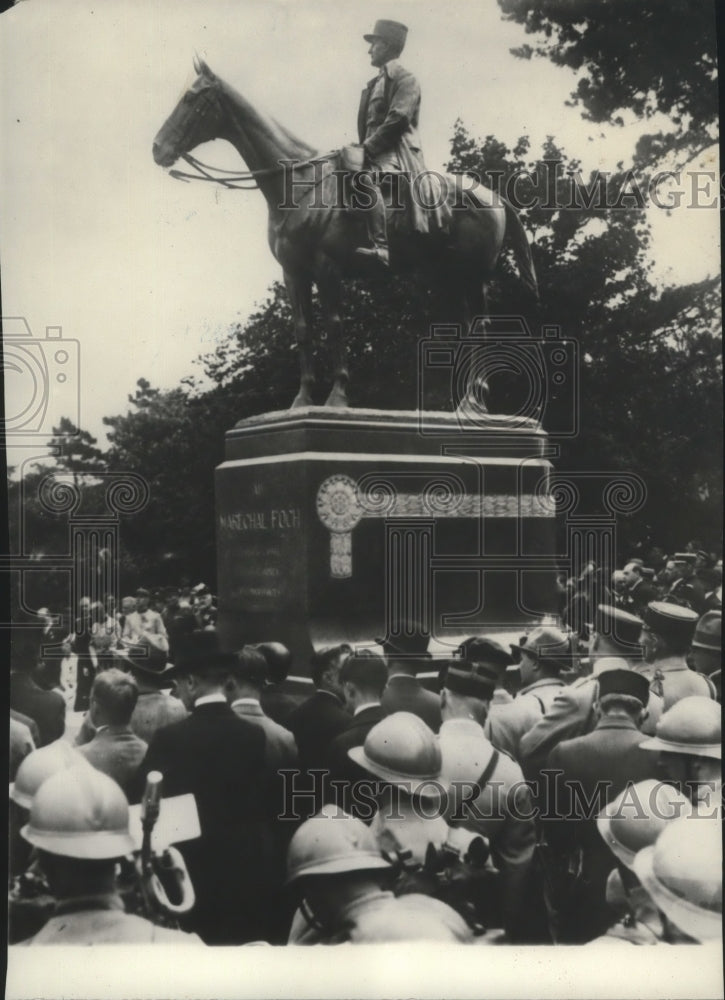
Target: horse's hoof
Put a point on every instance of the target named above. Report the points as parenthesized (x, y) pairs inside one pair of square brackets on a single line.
[(337, 398), (301, 399)]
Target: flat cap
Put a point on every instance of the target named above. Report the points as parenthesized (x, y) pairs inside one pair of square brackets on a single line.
[(687, 557)]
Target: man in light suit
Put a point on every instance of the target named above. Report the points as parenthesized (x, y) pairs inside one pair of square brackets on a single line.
[(243, 690), (544, 654), (155, 707), (115, 749)]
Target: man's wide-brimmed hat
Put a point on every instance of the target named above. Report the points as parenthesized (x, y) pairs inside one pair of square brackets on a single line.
[(201, 653), (412, 643), (143, 658), (392, 32)]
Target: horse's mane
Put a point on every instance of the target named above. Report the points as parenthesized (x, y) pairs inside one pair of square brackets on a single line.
[(304, 146), (288, 141)]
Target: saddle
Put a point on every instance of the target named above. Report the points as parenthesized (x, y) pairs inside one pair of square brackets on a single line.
[(414, 204)]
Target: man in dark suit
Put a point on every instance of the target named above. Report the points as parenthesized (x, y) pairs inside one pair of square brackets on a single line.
[(115, 749), (276, 701), (318, 720), (45, 708), (406, 654), (638, 591), (315, 724), (363, 678), (220, 760), (589, 772), (686, 589)]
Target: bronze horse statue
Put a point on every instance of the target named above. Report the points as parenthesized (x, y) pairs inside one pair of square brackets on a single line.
[(314, 236)]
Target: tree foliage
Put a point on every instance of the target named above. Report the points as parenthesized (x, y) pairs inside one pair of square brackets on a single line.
[(650, 361), (654, 59)]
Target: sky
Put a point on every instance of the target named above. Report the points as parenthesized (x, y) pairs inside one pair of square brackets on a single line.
[(145, 272)]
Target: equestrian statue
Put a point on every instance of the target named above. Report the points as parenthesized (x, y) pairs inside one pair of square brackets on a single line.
[(359, 212)]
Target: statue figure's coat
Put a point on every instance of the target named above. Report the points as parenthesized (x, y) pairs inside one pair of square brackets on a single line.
[(388, 129)]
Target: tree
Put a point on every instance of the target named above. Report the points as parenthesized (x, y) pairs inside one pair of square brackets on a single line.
[(650, 360), (652, 59), (76, 450), (172, 439)]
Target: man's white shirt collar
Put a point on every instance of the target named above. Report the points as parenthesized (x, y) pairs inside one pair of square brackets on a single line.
[(210, 699), (367, 704)]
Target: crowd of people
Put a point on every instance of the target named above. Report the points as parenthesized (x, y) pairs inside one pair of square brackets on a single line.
[(692, 578), (564, 788)]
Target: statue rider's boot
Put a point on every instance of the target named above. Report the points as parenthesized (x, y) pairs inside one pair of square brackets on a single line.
[(377, 235)]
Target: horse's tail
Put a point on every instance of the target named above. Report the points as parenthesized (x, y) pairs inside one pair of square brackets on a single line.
[(522, 250)]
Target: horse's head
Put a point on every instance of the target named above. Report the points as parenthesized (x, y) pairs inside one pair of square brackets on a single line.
[(196, 118)]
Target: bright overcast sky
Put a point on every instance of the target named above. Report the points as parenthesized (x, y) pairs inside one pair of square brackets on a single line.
[(143, 270)]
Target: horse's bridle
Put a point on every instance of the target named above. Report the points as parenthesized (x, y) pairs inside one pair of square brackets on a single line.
[(244, 180)]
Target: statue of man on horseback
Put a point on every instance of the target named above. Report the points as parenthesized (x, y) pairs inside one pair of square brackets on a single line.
[(448, 229), (388, 132)]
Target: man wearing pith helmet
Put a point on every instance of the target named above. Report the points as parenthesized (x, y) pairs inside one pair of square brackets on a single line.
[(682, 872), (628, 824), (688, 740), (486, 793), (79, 825), (403, 753), (341, 880)]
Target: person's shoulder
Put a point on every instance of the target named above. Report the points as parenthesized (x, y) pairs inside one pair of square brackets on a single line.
[(397, 73), (507, 769), (243, 730), (273, 728)]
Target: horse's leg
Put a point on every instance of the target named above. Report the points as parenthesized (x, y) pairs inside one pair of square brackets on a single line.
[(299, 290), (329, 287)]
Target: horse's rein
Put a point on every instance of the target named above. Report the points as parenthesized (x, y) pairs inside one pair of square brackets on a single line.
[(244, 180)]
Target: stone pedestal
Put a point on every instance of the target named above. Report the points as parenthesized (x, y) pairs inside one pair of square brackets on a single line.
[(338, 525)]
